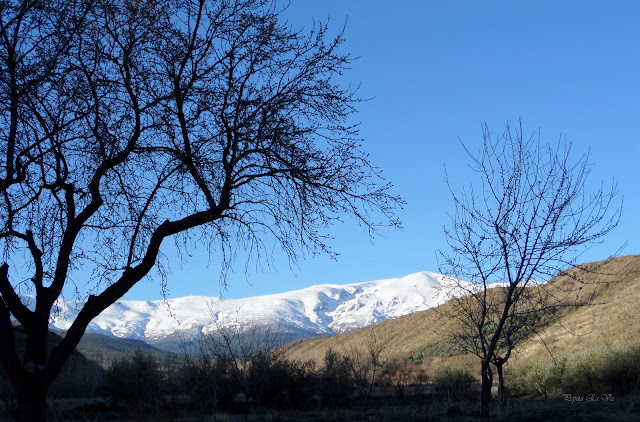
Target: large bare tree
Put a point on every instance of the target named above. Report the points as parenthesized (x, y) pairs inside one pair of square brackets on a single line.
[(128, 122), (529, 216)]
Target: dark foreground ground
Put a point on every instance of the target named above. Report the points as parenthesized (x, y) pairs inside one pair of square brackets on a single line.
[(587, 408)]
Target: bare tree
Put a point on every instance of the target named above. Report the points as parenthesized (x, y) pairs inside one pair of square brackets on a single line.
[(367, 364), (401, 372), (530, 217), (204, 379), (129, 122), (249, 350)]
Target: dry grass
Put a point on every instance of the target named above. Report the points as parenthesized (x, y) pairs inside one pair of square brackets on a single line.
[(609, 318), (599, 307)]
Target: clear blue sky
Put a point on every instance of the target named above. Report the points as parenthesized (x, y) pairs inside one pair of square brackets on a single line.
[(436, 71)]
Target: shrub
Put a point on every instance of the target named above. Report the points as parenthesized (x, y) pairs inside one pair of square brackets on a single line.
[(207, 383), (583, 370), (267, 378), (400, 373), (136, 383), (620, 371), (301, 386), (445, 347), (335, 384), (590, 370), (455, 382), (538, 377), (277, 383)]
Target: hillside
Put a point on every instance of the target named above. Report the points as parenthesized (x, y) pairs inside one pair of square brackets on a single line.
[(610, 317), (105, 349)]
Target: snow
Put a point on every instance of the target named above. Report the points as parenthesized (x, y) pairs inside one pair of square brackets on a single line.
[(317, 310)]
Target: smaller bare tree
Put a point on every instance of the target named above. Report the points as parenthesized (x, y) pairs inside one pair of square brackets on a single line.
[(203, 378), (530, 217), (335, 384), (400, 373), (367, 364), (246, 348)]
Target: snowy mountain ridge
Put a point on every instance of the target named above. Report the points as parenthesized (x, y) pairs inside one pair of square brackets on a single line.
[(313, 311)]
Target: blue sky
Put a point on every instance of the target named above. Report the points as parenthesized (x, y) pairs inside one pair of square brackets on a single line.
[(435, 71)]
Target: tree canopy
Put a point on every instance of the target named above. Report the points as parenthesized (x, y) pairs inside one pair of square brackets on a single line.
[(128, 122)]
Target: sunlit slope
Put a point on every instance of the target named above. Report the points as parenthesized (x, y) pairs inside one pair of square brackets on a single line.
[(610, 318), (611, 289)]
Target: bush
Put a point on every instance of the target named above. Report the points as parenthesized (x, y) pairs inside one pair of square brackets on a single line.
[(267, 378), (588, 371), (400, 373), (446, 348), (277, 383), (455, 382), (583, 371), (136, 383), (620, 370), (207, 383), (335, 384), (537, 378)]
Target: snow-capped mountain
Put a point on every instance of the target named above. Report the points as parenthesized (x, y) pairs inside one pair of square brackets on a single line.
[(317, 310)]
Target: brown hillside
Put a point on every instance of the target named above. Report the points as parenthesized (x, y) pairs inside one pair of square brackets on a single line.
[(610, 318), (611, 289)]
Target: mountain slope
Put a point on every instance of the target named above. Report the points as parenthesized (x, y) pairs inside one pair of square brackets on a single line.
[(106, 349), (313, 311), (609, 318)]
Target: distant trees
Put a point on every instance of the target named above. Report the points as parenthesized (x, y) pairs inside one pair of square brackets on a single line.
[(528, 217), (211, 377), (251, 359), (136, 383), (250, 364), (207, 382), (126, 123)]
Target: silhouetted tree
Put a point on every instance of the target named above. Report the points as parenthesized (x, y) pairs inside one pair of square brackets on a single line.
[(529, 217), (135, 383), (208, 382), (129, 122), (251, 353), (335, 380)]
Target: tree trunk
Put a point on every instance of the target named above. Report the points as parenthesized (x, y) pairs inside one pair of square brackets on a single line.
[(500, 379), (33, 386), (504, 394), (32, 400), (485, 392)]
